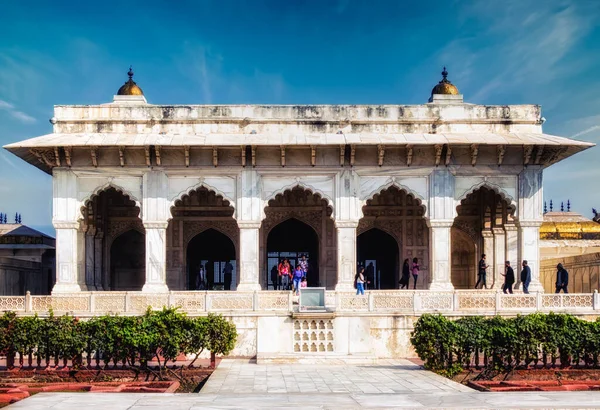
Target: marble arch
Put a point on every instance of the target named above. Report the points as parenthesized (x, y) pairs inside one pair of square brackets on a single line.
[(392, 182), (195, 187), (506, 197), (299, 184), (105, 187)]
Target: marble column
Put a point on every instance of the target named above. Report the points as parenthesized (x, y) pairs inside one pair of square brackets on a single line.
[(529, 235), (530, 217), (155, 215), (249, 256), (100, 281), (442, 211), (512, 250), (440, 245), (156, 257), (69, 269), (488, 249), (499, 257), (346, 254), (90, 253)]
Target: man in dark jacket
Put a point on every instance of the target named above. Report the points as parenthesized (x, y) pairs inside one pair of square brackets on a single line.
[(562, 279), (525, 277), (481, 272), (509, 279)]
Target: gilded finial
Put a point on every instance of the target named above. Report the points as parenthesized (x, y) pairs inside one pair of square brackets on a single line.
[(130, 73), (568, 205), (551, 206), (545, 207), (130, 87), (445, 75), (445, 86)]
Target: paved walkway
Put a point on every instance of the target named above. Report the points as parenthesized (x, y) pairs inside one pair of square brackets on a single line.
[(389, 383)]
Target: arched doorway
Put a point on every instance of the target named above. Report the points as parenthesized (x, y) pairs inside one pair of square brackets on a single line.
[(114, 233), (484, 224), (202, 231), (291, 239), (213, 251), (128, 261), (298, 221), (377, 251), (394, 228)]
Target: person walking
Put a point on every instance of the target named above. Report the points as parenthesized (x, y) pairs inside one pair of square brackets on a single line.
[(405, 275), (370, 275), (298, 275), (285, 274), (228, 275), (359, 281), (275, 277), (304, 265), (509, 278), (481, 273), (201, 278), (525, 277), (562, 279), (415, 271)]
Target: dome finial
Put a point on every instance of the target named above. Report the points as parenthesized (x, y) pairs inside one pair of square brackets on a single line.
[(130, 87), (445, 75), (130, 73)]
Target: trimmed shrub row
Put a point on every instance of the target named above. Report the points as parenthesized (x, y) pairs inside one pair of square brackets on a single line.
[(129, 340), (503, 344)]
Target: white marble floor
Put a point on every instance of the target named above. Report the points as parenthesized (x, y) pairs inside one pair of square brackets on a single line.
[(387, 384)]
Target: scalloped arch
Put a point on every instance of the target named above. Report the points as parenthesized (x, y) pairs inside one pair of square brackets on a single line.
[(193, 188), (300, 184), (402, 187), (494, 187), (86, 200)]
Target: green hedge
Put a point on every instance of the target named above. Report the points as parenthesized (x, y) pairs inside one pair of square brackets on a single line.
[(127, 340), (501, 344)]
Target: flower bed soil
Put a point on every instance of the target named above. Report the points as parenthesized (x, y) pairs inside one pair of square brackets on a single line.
[(17, 384)]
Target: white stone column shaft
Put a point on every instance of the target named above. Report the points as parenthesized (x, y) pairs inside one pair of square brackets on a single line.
[(440, 245), (346, 254), (499, 257), (530, 251), (488, 249), (90, 253), (155, 216), (512, 250), (249, 257), (68, 248)]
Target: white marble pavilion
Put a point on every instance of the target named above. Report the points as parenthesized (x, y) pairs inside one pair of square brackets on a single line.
[(144, 194)]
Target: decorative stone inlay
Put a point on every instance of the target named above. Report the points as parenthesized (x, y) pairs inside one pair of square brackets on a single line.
[(41, 303), (392, 301), (273, 301), (436, 302), (190, 301), (518, 302), (110, 303), (230, 301), (72, 303), (353, 302), (140, 303), (477, 301), (313, 335), (12, 303)]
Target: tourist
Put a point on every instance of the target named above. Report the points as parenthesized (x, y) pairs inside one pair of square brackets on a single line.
[(284, 274), (370, 274), (298, 275), (304, 264), (481, 273), (275, 277), (228, 275), (303, 283), (359, 281), (525, 277), (415, 271), (201, 278), (562, 279), (405, 274), (509, 278)]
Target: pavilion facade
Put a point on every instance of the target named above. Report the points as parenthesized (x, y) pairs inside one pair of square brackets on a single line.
[(144, 194)]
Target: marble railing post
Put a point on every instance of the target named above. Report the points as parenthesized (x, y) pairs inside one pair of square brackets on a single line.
[(69, 269), (499, 257), (440, 245), (346, 254), (249, 256), (156, 257)]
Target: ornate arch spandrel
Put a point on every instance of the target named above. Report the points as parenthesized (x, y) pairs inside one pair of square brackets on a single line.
[(228, 228), (506, 197), (84, 203), (201, 184), (392, 182), (304, 186)]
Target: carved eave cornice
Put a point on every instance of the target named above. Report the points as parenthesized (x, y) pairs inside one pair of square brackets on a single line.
[(474, 153), (527, 150), (538, 154), (438, 153), (45, 156), (253, 149), (380, 154), (94, 155), (157, 154), (500, 151), (409, 155), (342, 155), (57, 156)]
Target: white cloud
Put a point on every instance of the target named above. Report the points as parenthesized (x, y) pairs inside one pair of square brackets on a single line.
[(13, 112)]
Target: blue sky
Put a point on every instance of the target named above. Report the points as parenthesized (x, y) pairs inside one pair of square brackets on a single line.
[(300, 52)]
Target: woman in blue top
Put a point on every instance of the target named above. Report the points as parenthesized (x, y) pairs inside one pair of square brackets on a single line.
[(298, 275)]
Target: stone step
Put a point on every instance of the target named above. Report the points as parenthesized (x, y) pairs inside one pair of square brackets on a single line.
[(316, 358)]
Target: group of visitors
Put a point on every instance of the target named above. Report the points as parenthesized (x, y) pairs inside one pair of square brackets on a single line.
[(406, 271), (286, 278), (562, 276)]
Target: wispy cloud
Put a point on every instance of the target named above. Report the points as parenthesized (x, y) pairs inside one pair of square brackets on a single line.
[(15, 113)]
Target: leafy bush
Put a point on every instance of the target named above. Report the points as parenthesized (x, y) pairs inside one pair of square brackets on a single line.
[(449, 346), (159, 335)]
